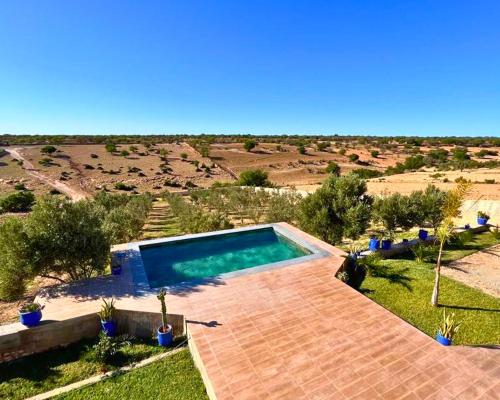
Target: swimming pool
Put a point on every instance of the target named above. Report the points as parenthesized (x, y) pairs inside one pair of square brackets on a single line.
[(169, 261)]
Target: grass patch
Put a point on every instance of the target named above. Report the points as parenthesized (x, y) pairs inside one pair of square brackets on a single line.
[(404, 287), (175, 378), (55, 368)]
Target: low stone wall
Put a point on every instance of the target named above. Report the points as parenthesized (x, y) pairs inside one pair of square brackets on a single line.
[(17, 341)]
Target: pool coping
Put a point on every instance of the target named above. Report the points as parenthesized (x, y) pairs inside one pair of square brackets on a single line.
[(141, 282)]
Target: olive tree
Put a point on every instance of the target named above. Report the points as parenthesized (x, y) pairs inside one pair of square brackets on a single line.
[(66, 239), (339, 208), (395, 211), (429, 206), (283, 207), (15, 259)]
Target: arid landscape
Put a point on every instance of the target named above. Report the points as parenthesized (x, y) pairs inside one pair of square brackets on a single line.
[(89, 168)]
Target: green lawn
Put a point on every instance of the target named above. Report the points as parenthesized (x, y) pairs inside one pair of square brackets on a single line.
[(174, 378), (404, 287), (45, 371)]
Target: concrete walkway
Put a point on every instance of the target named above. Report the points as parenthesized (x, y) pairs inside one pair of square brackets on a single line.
[(297, 332)]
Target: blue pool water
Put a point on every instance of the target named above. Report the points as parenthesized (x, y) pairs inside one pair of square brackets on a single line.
[(185, 260)]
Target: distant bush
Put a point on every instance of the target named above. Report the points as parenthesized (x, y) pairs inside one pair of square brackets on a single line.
[(353, 157), (249, 144), (366, 173), (88, 166), (342, 152), (17, 202), (489, 181), (48, 149), (20, 186), (333, 168), (374, 153), (184, 156), (484, 152), (46, 162), (322, 146), (254, 177), (110, 147), (94, 155), (123, 186), (302, 149), (124, 153)]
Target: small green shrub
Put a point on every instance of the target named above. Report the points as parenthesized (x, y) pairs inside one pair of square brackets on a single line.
[(48, 149), (424, 253), (254, 177), (20, 186), (353, 157), (123, 186), (17, 202), (249, 144)]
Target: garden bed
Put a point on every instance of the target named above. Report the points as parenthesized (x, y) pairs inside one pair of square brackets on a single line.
[(42, 372), (174, 378), (404, 286)]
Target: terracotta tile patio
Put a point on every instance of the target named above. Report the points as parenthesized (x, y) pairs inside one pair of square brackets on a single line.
[(297, 332)]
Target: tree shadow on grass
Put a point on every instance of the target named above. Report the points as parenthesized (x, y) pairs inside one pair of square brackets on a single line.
[(43, 366), (396, 276), (455, 307)]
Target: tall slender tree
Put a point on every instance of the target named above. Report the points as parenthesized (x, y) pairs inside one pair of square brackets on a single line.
[(451, 210)]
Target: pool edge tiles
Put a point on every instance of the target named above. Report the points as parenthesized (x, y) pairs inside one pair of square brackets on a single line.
[(140, 277)]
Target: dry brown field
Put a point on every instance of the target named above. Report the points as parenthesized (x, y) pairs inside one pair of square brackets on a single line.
[(90, 168)]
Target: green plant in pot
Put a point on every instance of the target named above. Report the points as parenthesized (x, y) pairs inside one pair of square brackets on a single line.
[(482, 218), (165, 331), (107, 316), (30, 314), (447, 329)]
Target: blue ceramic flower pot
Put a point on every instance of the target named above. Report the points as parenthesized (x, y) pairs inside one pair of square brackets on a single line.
[(374, 244), (422, 234), (30, 319), (482, 221), (116, 270), (109, 328), (165, 339), (444, 341), (386, 244)]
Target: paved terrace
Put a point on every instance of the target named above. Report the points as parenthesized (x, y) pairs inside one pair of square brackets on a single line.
[(299, 333)]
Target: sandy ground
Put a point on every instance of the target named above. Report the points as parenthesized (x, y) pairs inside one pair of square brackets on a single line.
[(480, 270), (11, 174), (74, 165)]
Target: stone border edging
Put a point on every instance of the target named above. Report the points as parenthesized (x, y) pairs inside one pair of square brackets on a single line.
[(101, 378)]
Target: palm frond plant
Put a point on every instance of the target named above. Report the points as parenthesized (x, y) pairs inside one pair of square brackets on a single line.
[(107, 316), (447, 329)]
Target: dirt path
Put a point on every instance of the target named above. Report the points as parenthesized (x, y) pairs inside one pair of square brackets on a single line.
[(73, 194), (480, 270)]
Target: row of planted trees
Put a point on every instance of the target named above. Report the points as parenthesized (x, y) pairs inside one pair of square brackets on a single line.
[(66, 240), (339, 209)]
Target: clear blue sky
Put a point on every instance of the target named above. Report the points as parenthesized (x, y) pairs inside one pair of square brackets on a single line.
[(421, 67)]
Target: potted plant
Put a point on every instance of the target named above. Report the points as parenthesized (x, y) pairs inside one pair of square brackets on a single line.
[(30, 314), (447, 329), (482, 218), (107, 315), (165, 331), (374, 244), (116, 267), (387, 241), (422, 234)]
